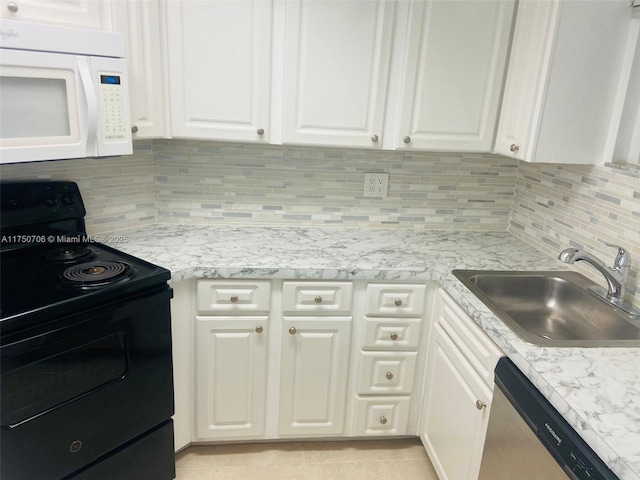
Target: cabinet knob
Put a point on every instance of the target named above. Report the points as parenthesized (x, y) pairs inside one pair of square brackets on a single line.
[(134, 129), (260, 131), (398, 302), (389, 376), (383, 420), (394, 336), (292, 331), (318, 299), (234, 299), (514, 148), (259, 329), (480, 404), (407, 139), (374, 138), (12, 7)]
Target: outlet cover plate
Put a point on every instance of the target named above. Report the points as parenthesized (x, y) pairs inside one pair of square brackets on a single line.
[(376, 185)]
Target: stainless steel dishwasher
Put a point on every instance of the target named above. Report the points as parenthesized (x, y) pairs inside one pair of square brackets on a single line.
[(527, 439)]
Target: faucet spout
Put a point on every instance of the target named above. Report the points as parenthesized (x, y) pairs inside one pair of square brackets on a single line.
[(615, 276)]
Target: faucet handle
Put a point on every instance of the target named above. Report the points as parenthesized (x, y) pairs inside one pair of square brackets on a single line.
[(623, 258)]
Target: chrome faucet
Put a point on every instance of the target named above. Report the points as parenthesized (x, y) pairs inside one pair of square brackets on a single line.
[(616, 276)]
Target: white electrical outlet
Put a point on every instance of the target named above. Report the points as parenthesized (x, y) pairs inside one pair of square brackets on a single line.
[(376, 184)]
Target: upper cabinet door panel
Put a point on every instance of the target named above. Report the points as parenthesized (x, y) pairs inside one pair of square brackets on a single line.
[(336, 70), (454, 69), (524, 77), (140, 24), (77, 13), (565, 70), (220, 67)]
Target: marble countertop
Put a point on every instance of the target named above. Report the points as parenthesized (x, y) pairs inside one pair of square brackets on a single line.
[(597, 390)]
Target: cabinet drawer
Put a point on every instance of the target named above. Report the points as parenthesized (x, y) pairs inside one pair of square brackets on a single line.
[(479, 349), (381, 416), (395, 300), (391, 334), (224, 297), (317, 298), (386, 373)]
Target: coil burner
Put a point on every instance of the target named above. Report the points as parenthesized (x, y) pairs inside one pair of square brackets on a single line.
[(68, 253), (96, 274)]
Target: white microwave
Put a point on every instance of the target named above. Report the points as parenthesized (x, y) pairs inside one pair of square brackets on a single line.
[(63, 93)]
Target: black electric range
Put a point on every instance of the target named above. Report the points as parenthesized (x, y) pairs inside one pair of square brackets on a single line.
[(86, 380)]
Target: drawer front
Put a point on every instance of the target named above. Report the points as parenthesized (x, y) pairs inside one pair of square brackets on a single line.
[(395, 300), (479, 349), (317, 298), (381, 416), (386, 373), (391, 334), (226, 297)]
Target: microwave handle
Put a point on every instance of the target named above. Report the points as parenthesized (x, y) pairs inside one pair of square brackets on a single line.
[(84, 68)]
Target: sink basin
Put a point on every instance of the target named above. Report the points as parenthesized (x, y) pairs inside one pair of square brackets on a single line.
[(552, 309)]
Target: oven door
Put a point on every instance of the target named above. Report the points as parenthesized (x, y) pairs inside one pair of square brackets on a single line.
[(80, 387)]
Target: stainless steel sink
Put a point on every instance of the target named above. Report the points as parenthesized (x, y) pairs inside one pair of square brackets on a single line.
[(552, 309)]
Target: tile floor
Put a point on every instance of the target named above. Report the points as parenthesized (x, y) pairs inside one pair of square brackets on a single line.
[(403, 459)]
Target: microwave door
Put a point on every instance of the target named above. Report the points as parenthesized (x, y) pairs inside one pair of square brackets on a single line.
[(43, 107)]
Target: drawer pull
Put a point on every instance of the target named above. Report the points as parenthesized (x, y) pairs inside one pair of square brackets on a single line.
[(259, 329), (393, 336), (383, 420), (292, 331), (234, 299), (480, 404), (318, 299), (389, 376), (398, 302)]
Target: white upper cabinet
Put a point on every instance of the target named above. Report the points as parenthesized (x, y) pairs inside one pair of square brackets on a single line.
[(565, 70), (220, 68), (453, 72), (76, 13), (140, 24), (336, 68)]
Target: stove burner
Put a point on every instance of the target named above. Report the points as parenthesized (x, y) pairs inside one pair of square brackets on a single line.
[(95, 274), (67, 253)]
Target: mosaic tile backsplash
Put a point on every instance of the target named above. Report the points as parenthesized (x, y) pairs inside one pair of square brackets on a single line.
[(562, 206), (118, 192), (197, 182), (201, 182)]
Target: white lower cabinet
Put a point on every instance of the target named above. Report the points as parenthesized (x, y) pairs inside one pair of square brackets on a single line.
[(313, 376), (458, 392), (231, 376), (389, 343)]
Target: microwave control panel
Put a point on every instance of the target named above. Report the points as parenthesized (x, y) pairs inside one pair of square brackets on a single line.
[(112, 107)]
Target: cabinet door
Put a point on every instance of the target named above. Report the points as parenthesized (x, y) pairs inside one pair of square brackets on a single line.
[(219, 68), (140, 24), (231, 371), (453, 426), (78, 13), (336, 69), (454, 67), (565, 68), (313, 377), (524, 78)]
